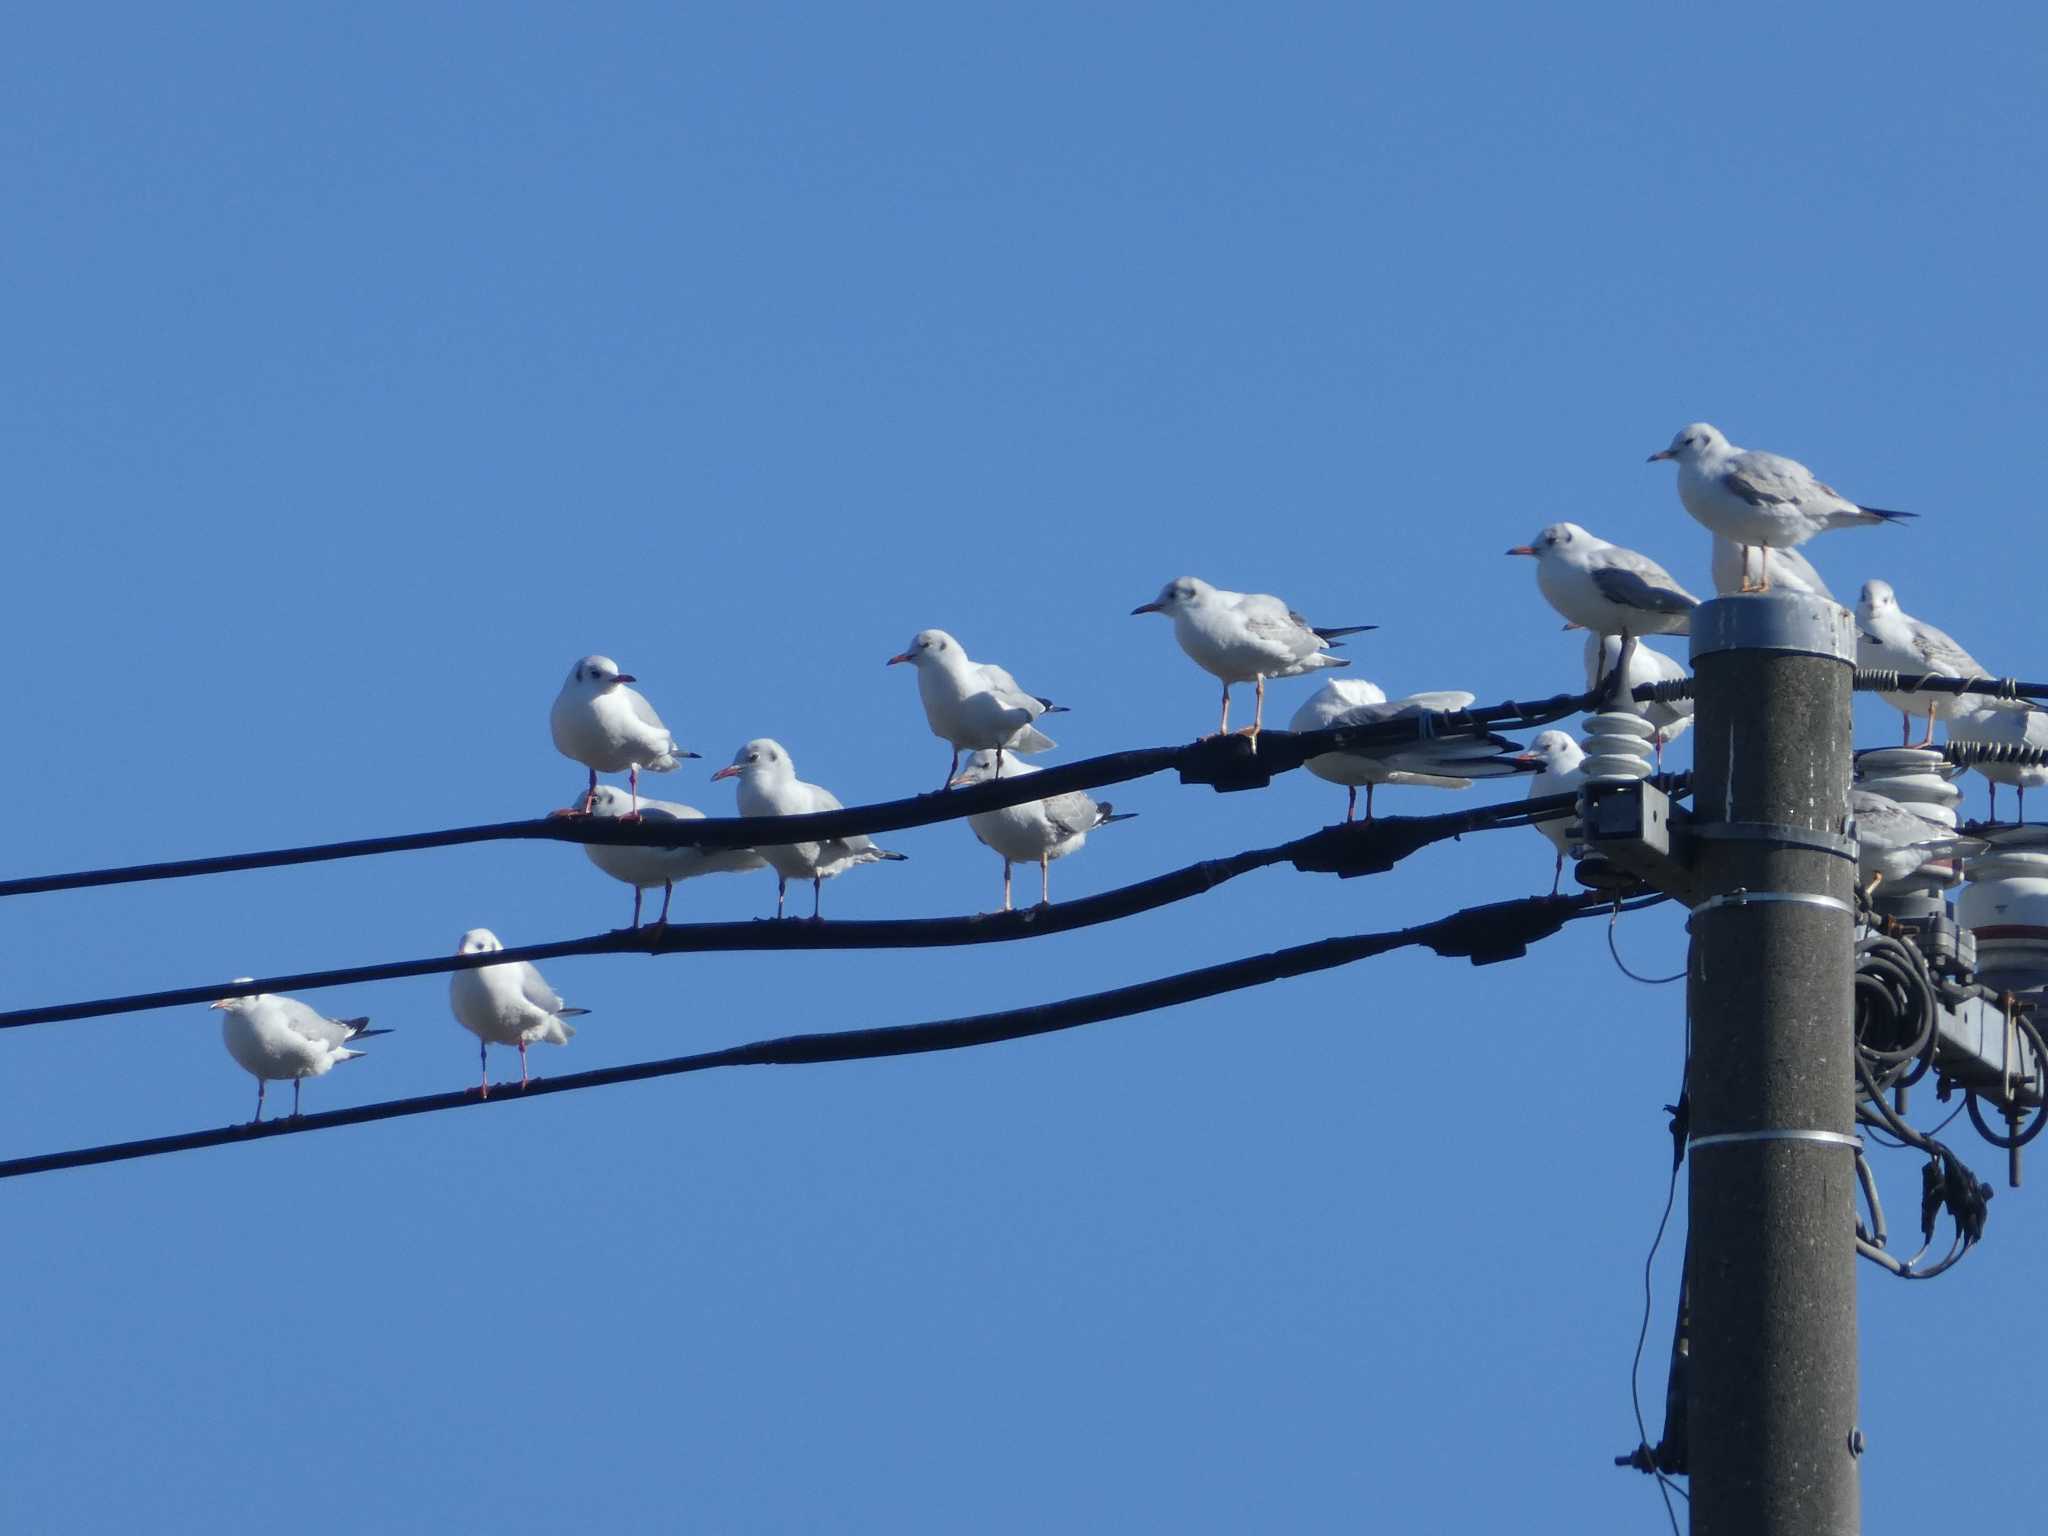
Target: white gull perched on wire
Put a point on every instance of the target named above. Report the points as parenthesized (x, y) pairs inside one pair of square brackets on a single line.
[(1448, 762), (973, 705), (1888, 637), (1038, 831), (769, 787), (1245, 637), (1784, 570), (274, 1038), (1893, 840), (506, 1004), (1605, 588), (1758, 499), (1560, 770), (645, 868), (1669, 718), (601, 723), (1974, 724)]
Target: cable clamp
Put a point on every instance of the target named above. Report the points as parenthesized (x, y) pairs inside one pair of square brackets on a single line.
[(1825, 1138), (1746, 898)]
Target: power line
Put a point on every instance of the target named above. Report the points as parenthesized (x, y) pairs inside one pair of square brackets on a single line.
[(1223, 762), (1484, 934), (1347, 849)]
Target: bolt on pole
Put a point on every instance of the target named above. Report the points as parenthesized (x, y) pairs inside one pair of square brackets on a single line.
[(1773, 1438)]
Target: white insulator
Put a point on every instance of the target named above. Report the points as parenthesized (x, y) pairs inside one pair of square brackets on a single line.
[(1618, 747), (1919, 779), (1913, 776), (2005, 905)]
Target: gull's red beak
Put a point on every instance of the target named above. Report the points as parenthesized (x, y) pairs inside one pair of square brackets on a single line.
[(625, 677), (900, 656), (729, 771), (1521, 549), (1656, 457), (1144, 608)]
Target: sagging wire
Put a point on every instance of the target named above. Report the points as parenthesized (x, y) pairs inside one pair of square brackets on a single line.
[(1661, 1461), (1614, 949), (1497, 931)]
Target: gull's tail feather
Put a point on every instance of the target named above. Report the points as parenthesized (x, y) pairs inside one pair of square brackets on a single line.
[(1884, 515), (1105, 815), (359, 1030), (1050, 707), (1029, 739), (668, 762), (885, 853), (352, 1055), (570, 1013), (555, 1032), (1334, 634)]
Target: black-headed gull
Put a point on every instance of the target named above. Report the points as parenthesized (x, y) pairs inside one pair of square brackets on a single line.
[(1758, 499), (1038, 831), (275, 1038), (1605, 588), (1784, 570), (506, 1004), (1670, 718), (1889, 637), (973, 705), (1893, 840), (769, 787), (601, 723), (2003, 728), (1448, 763), (1560, 770), (644, 868), (1245, 637)]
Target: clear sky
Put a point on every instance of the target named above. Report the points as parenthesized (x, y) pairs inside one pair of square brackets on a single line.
[(366, 365)]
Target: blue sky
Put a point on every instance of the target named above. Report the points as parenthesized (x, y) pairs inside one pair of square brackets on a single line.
[(368, 365)]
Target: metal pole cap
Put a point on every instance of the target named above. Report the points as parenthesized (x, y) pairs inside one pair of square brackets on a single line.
[(1774, 621)]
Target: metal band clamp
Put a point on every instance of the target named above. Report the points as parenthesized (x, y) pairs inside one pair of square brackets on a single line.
[(1747, 898), (1825, 1138)]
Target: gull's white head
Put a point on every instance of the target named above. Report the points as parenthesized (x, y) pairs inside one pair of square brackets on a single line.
[(980, 767), (478, 941), (237, 1004), (761, 758), (1694, 443), (1555, 751), (1877, 599), (597, 673), (608, 800), (1178, 595), (1558, 539), (930, 647)]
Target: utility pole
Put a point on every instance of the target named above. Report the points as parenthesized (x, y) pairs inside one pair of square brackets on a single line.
[(1772, 1422)]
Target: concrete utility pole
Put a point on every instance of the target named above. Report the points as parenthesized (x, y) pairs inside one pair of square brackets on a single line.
[(1772, 1420)]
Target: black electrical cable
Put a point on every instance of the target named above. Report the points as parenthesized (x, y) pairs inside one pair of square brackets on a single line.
[(1882, 680), (1644, 1456), (1357, 847), (1223, 762), (1615, 950), (1484, 934)]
